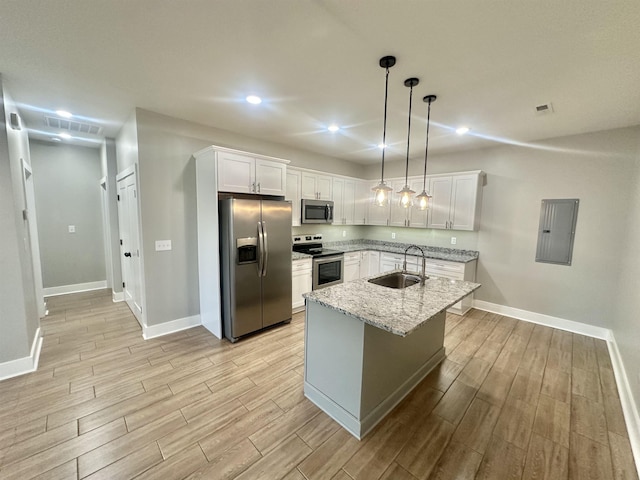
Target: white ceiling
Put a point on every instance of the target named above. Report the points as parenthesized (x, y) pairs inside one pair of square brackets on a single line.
[(316, 62)]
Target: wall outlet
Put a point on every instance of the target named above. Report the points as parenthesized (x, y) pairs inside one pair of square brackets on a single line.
[(344, 233), (393, 235), (72, 229), (454, 240), (163, 245)]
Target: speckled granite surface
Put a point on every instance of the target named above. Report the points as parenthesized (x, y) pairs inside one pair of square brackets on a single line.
[(299, 256), (450, 254), (399, 311)]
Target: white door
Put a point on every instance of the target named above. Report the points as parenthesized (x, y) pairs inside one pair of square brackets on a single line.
[(130, 242)]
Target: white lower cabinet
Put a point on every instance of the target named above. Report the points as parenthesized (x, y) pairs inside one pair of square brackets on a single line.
[(369, 263), (301, 282), (454, 271), (351, 266)]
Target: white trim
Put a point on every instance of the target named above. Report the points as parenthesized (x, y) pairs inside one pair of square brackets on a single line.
[(117, 296), (126, 172), (547, 320), (23, 365), (77, 288), (629, 407), (170, 327)]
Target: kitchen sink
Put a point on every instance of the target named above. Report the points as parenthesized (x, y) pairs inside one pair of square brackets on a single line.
[(396, 280)]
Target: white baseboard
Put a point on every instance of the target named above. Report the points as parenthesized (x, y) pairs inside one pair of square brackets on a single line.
[(170, 327), (117, 296), (76, 288), (20, 366), (629, 406), (547, 320)]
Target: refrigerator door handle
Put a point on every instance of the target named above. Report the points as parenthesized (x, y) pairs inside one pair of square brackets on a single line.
[(266, 249), (261, 248)]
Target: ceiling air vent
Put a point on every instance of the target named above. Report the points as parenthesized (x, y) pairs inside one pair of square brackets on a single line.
[(72, 126), (544, 108)]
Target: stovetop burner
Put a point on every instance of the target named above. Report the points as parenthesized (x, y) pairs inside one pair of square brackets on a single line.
[(312, 245)]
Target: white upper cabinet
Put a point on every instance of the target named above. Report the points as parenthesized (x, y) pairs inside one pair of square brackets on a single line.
[(344, 200), (360, 206), (293, 195), (376, 215), (456, 201), (316, 186), (246, 174), (398, 215), (417, 218)]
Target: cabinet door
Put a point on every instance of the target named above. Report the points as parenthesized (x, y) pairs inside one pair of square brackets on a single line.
[(271, 177), (360, 203), (397, 214), (293, 195), (338, 201), (376, 215), (463, 202), (301, 282), (308, 185), (417, 217), (236, 173), (440, 188), (374, 263), (323, 187), (349, 201), (387, 266), (351, 271)]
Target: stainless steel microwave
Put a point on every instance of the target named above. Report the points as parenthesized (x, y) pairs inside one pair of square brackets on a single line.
[(317, 211)]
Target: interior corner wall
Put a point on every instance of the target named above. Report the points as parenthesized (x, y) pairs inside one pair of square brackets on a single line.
[(109, 162), (67, 190), (626, 326), (165, 146), (19, 320), (596, 168)]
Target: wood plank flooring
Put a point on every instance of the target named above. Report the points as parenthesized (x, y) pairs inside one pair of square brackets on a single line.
[(511, 400)]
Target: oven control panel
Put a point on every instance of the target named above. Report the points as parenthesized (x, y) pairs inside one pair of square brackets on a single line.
[(306, 238)]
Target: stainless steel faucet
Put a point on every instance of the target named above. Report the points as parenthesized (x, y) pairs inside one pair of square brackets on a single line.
[(422, 275)]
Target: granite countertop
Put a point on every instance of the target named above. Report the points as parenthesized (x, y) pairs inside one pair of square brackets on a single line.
[(299, 256), (439, 253), (399, 311)]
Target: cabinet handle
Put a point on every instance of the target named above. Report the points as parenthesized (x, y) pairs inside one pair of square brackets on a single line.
[(258, 187)]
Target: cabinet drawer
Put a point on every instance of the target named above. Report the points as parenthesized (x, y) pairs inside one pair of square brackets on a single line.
[(446, 269), (299, 265), (353, 257)]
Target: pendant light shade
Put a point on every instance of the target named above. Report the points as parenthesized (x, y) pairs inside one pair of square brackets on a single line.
[(424, 197), (382, 190), (406, 194)]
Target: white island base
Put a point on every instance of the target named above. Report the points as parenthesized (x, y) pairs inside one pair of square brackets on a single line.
[(357, 373)]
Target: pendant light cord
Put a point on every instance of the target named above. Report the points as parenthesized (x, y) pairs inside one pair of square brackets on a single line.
[(384, 128), (406, 170), (426, 149)]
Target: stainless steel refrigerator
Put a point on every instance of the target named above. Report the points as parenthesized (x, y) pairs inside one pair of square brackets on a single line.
[(255, 254)]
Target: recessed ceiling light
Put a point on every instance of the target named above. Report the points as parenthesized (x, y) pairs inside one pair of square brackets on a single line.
[(254, 99), (462, 130), (381, 146), (333, 128), (66, 136), (63, 114)]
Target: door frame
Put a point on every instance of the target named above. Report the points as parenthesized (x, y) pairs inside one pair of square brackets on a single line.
[(142, 315)]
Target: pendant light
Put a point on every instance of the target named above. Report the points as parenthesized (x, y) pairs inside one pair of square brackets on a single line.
[(406, 193), (382, 190), (424, 197)]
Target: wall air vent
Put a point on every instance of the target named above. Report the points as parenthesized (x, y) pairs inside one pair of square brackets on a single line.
[(544, 108), (72, 126)]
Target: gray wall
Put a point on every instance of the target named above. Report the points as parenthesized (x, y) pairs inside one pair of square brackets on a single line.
[(18, 312), (168, 201), (625, 325), (68, 193)]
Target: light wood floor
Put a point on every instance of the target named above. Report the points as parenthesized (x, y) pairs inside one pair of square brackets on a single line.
[(512, 400)]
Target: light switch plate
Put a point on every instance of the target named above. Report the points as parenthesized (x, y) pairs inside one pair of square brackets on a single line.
[(72, 229), (162, 245)]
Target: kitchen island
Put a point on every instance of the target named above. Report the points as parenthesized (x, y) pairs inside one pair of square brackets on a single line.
[(367, 346)]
